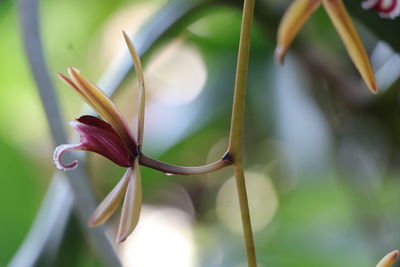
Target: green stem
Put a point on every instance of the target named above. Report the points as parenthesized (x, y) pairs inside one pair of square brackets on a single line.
[(245, 214), (236, 133), (181, 170)]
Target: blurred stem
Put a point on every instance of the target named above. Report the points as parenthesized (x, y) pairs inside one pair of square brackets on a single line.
[(172, 169), (85, 201), (235, 149)]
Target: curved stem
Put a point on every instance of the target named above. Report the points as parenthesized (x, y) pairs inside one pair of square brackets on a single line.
[(236, 131), (181, 170)]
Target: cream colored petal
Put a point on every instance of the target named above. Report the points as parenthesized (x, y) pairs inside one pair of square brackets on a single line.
[(142, 93), (102, 104), (110, 204), (344, 26), (293, 19), (389, 259), (132, 204)]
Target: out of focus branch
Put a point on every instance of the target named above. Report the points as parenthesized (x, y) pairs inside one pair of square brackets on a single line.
[(84, 197)]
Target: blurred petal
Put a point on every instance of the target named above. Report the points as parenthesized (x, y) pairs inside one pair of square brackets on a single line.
[(141, 95), (389, 259), (96, 136), (101, 103), (385, 8), (342, 22), (76, 88), (110, 204), (294, 18), (132, 204)]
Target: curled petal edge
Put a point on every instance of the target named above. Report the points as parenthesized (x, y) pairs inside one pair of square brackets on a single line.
[(96, 136), (390, 11), (57, 157)]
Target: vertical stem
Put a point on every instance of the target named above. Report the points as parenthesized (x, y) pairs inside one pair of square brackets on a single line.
[(236, 133), (245, 214)]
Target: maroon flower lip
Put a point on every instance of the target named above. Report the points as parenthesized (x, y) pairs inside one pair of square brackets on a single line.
[(385, 8), (96, 136)]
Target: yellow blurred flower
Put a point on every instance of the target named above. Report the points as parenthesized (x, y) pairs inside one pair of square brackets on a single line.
[(298, 13)]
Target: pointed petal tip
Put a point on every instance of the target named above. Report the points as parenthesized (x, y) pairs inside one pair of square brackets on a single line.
[(389, 259), (374, 89), (371, 84), (63, 77), (291, 23), (122, 237), (279, 55), (395, 254), (94, 221), (72, 71), (351, 40)]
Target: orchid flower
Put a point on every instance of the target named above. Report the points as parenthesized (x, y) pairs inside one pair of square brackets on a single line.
[(112, 139), (385, 8), (298, 13)]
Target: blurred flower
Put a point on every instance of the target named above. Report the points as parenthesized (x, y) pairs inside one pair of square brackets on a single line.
[(389, 259), (385, 8), (298, 13), (112, 139)]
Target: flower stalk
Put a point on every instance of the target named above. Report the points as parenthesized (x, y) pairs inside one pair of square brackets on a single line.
[(235, 149)]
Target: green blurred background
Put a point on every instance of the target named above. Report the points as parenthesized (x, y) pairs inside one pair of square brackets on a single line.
[(321, 152)]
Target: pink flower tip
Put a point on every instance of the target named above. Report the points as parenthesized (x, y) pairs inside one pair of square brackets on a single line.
[(385, 8), (57, 157)]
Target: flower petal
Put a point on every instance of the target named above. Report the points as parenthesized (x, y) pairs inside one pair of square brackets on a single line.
[(293, 19), (132, 204), (369, 3), (389, 259), (96, 136), (342, 22), (101, 103), (142, 93), (110, 204), (385, 8)]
